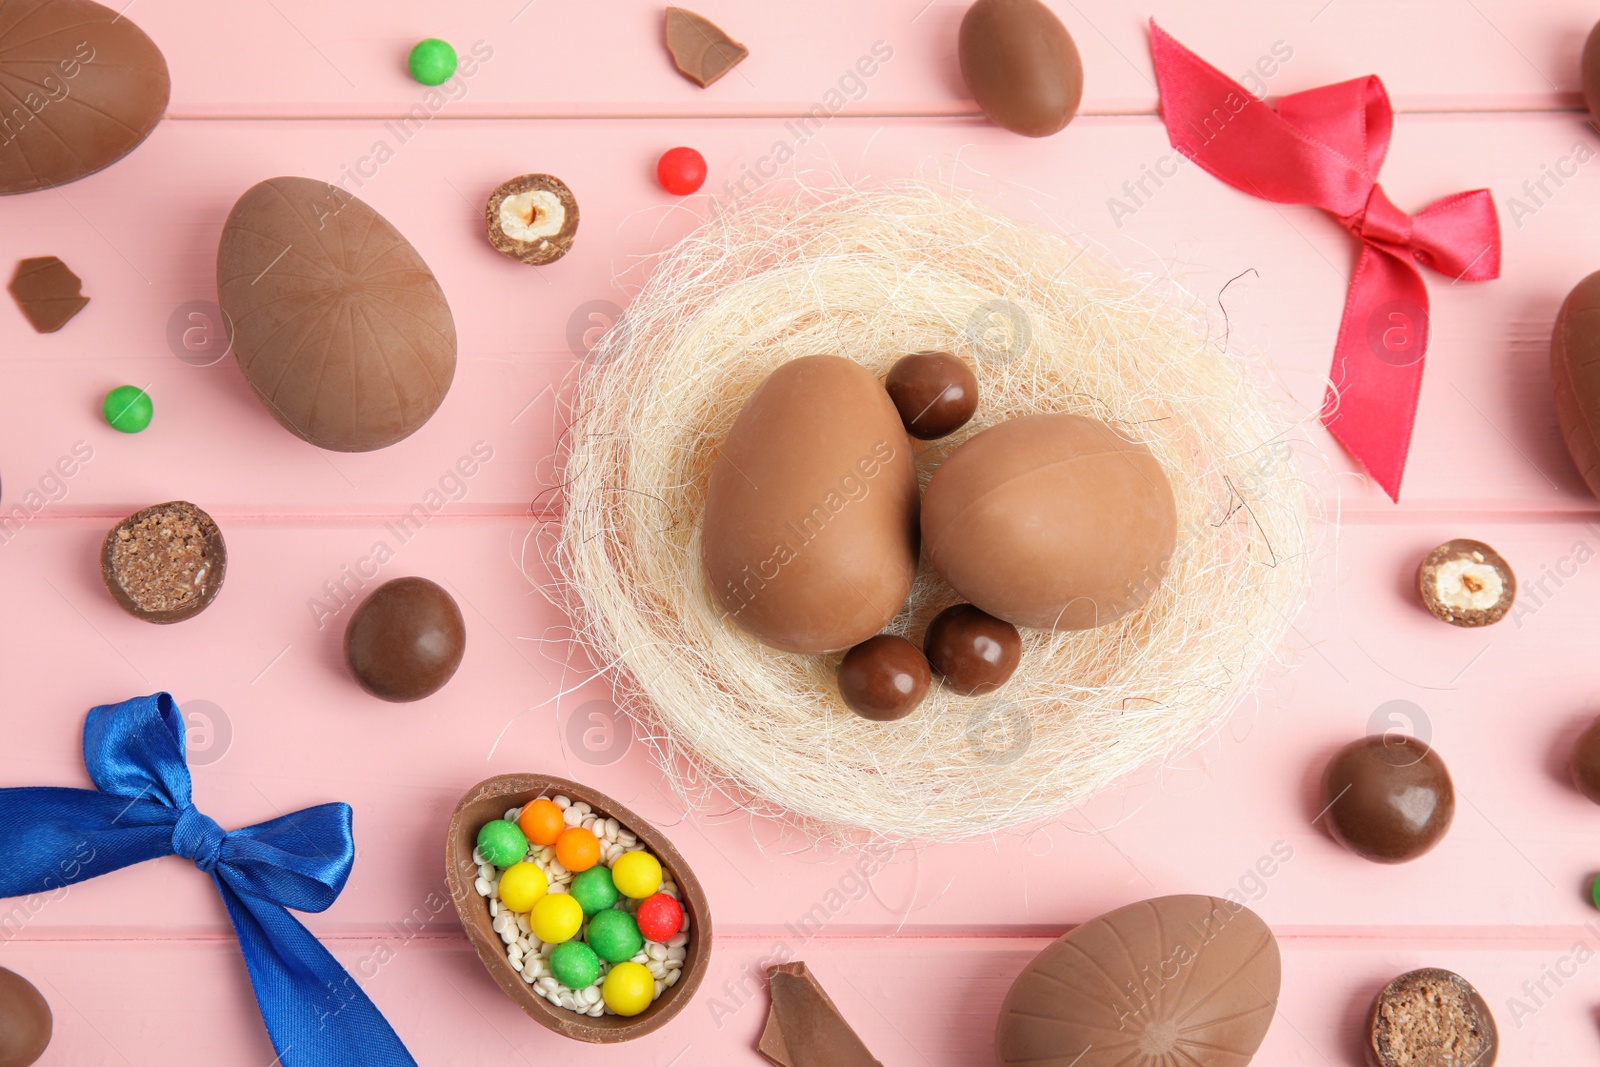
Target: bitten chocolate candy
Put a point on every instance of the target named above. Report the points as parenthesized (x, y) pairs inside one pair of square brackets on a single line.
[(1021, 65), (25, 1021), (1182, 980), (165, 563), (1431, 1018), (337, 323), (1388, 798), (406, 640), (85, 87)]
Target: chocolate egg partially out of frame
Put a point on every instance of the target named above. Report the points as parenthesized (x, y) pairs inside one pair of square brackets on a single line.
[(338, 324), (85, 88)]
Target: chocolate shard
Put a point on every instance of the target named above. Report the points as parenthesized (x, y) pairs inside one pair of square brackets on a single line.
[(48, 293), (701, 51), (804, 1028)]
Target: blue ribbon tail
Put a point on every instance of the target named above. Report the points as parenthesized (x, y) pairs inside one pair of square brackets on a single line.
[(51, 838)]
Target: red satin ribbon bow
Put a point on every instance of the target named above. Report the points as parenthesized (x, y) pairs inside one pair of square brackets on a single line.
[(1323, 147)]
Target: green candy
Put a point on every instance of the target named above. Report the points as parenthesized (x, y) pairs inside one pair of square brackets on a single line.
[(595, 891), (432, 61), (575, 965), (614, 935), (1594, 893), (128, 408), (502, 843)]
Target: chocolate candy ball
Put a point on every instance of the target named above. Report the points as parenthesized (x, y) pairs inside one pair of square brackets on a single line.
[(25, 1021), (883, 678), (1388, 798), (935, 393), (575, 965), (406, 640), (501, 843), (614, 935), (595, 890), (1586, 762), (972, 651)]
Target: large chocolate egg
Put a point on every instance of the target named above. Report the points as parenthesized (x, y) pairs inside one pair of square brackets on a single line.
[(1021, 65), (810, 535), (1054, 521), (1575, 372), (337, 323), (1176, 980), (83, 87), (25, 1021)]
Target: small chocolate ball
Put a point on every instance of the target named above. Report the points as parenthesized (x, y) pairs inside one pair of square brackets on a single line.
[(935, 392), (406, 640), (883, 678), (25, 1021), (1388, 798), (1586, 762), (972, 651)]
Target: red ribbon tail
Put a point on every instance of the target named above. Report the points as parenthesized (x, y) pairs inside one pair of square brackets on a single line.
[(1377, 365)]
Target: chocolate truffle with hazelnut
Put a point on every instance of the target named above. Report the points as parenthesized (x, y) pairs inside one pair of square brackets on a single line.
[(1466, 583), (532, 219)]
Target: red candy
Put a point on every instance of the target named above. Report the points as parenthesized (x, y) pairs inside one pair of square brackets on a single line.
[(681, 171), (659, 917)]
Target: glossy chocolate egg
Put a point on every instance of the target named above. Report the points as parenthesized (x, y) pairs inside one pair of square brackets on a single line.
[(935, 393), (1575, 374), (85, 87), (25, 1019), (1188, 980), (337, 323), (1021, 65), (809, 540), (1054, 521), (1388, 798), (883, 678), (406, 640), (971, 651), (1586, 762)]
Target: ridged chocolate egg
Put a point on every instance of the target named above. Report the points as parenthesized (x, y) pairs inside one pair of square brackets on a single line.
[(337, 323)]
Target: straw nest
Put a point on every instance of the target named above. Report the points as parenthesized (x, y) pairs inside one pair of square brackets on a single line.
[(872, 275)]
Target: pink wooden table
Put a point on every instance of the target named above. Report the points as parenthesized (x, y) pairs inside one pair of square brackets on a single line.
[(141, 967)]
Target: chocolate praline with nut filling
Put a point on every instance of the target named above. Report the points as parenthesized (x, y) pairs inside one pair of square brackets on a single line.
[(532, 219), (1466, 583), (1388, 798), (166, 563), (1431, 1018)]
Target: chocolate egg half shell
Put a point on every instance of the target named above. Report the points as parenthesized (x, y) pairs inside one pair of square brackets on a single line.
[(1181, 979), (1021, 65), (1575, 373), (85, 87), (1054, 521), (337, 323), (809, 539)]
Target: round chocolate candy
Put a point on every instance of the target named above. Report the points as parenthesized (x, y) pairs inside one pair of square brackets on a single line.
[(935, 393), (1586, 762), (972, 651), (406, 640), (25, 1021), (614, 935), (1388, 798), (883, 678), (165, 563), (1431, 1016)]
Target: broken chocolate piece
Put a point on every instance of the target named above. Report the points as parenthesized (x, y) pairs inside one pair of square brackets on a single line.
[(804, 1028), (165, 563), (47, 292), (701, 51)]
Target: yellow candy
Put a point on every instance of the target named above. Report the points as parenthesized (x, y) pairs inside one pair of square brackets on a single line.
[(522, 885), (637, 874), (555, 918), (629, 988)]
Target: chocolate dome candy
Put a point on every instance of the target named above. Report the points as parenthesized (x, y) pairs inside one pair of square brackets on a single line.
[(971, 651), (1586, 762), (1021, 65), (883, 678), (86, 87), (1180, 979), (25, 1021), (337, 323), (1388, 797), (935, 393), (406, 640)]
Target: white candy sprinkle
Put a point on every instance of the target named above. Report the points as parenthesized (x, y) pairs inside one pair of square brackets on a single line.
[(655, 951), (572, 817), (656, 968), (512, 813), (661, 987), (591, 995), (562, 802), (672, 977), (482, 887), (477, 857), (596, 1010), (678, 940), (641, 957)]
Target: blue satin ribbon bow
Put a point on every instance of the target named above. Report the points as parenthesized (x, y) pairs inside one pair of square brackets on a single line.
[(316, 1015)]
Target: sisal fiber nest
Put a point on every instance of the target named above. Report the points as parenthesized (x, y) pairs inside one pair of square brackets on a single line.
[(872, 275)]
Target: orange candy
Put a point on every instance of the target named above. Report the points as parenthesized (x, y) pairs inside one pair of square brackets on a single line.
[(577, 849), (541, 822)]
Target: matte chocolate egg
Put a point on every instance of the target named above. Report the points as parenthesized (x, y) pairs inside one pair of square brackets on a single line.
[(406, 639), (883, 678), (85, 87), (337, 323), (1575, 374), (1021, 65), (1054, 521), (1586, 762), (809, 539), (1187, 980), (972, 651), (1388, 798), (1590, 71), (935, 393), (25, 1021)]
